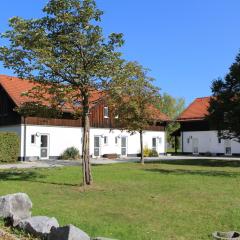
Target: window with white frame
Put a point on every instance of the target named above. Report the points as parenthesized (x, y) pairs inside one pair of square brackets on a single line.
[(105, 112), (33, 139), (160, 140), (116, 140), (105, 140)]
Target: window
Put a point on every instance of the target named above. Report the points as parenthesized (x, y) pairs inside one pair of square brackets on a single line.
[(33, 139), (116, 140), (105, 112), (188, 140), (105, 140), (160, 140), (219, 140)]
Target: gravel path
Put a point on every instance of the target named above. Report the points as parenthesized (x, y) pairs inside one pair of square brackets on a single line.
[(62, 163)]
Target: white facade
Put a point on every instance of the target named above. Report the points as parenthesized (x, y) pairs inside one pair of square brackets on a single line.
[(44, 142), (200, 142)]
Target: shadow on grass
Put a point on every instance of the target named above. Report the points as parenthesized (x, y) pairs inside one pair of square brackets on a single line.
[(29, 176), (192, 172), (200, 162)]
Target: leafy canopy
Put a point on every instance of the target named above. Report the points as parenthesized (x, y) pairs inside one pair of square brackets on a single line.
[(225, 105), (66, 46), (131, 97)]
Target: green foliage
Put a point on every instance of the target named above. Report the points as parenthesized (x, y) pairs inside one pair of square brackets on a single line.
[(147, 152), (131, 95), (65, 51), (71, 153), (9, 147), (35, 109), (172, 107), (224, 109)]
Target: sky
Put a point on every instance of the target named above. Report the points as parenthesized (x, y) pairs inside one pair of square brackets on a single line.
[(186, 44)]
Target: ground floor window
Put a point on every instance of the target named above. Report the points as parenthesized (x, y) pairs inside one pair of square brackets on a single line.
[(33, 139)]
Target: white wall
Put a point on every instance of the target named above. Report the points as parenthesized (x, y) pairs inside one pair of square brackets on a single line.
[(207, 142), (61, 138), (133, 141)]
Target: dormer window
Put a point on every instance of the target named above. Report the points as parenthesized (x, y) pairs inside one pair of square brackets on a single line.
[(105, 112)]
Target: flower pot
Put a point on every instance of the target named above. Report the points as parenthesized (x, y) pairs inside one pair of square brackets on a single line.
[(226, 235)]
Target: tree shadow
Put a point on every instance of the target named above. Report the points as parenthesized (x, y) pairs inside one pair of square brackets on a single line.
[(194, 172), (200, 162), (29, 176)]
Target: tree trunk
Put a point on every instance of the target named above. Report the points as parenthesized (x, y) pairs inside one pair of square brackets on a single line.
[(86, 167), (141, 145)]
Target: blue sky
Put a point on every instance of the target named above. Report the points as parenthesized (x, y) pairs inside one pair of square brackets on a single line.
[(186, 43)]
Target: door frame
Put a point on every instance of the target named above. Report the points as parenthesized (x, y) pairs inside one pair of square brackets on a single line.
[(99, 137), (125, 147), (197, 141), (48, 145), (227, 144), (156, 147)]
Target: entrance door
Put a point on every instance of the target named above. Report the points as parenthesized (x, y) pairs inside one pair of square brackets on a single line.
[(96, 146), (195, 146), (227, 146), (44, 151), (154, 144), (124, 146)]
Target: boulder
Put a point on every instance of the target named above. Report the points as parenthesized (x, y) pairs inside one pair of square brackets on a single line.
[(39, 226), (15, 207), (68, 232)]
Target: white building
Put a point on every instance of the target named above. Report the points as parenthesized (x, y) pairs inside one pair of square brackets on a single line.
[(47, 138), (198, 137)]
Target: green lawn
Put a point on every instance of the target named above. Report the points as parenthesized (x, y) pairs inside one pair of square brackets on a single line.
[(175, 200)]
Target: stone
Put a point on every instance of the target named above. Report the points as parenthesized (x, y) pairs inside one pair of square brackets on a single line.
[(15, 207), (39, 226), (68, 232)]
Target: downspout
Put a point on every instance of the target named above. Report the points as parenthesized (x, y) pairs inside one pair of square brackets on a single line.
[(24, 139), (182, 141)]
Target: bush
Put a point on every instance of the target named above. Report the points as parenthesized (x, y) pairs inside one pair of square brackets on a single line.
[(153, 153), (9, 147), (147, 152), (71, 153)]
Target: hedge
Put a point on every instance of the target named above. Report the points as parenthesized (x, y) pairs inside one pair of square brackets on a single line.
[(9, 147)]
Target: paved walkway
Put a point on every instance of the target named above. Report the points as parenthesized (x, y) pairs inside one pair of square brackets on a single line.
[(62, 163)]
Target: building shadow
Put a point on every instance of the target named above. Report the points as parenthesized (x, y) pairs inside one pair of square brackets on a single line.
[(194, 172), (199, 162)]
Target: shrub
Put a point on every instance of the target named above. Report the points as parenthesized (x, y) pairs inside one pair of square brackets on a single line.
[(153, 153), (9, 147), (70, 153), (147, 152)]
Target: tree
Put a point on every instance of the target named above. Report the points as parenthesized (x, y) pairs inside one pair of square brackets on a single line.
[(224, 109), (66, 53), (131, 97), (172, 107)]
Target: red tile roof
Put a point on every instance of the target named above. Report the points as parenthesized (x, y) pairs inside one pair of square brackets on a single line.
[(15, 87), (197, 110)]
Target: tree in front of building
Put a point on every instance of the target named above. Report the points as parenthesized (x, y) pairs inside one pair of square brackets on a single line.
[(66, 53), (172, 107), (224, 109), (131, 97)]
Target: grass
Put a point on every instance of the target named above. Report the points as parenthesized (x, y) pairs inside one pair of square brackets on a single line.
[(168, 200)]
